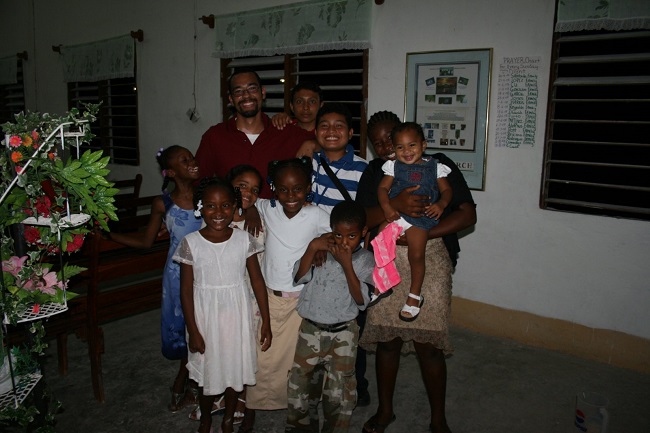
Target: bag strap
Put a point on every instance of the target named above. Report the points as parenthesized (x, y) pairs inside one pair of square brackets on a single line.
[(335, 179)]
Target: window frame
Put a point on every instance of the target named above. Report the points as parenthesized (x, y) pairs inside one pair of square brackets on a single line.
[(118, 141), (13, 96), (587, 167), (288, 67)]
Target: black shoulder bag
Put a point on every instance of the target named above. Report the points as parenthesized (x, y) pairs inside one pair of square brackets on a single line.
[(336, 180)]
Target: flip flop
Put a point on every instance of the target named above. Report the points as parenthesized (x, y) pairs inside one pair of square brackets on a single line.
[(372, 425)]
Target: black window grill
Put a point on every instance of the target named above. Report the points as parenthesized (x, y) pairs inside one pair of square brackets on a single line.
[(597, 149), (12, 97), (342, 76), (116, 128)]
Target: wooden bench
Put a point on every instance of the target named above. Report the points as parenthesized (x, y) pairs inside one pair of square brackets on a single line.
[(119, 281)]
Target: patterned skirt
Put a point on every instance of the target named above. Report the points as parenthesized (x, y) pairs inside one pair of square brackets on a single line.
[(431, 326)]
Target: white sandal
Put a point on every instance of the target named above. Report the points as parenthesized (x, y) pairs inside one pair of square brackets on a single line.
[(413, 311), (238, 417), (218, 406)]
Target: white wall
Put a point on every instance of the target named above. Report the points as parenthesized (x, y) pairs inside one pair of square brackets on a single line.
[(589, 270)]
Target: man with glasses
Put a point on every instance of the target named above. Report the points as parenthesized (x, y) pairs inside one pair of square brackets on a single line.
[(248, 137)]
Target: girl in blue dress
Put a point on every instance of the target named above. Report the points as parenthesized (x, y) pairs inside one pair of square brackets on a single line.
[(176, 211)]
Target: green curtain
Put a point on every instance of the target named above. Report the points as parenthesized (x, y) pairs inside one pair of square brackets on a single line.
[(99, 60), (8, 70), (578, 15), (295, 28)]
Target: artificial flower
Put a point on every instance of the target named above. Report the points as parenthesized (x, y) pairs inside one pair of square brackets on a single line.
[(43, 205), (76, 243), (15, 141), (13, 265), (32, 235)]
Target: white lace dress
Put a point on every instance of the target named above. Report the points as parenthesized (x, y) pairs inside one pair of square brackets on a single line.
[(222, 309)]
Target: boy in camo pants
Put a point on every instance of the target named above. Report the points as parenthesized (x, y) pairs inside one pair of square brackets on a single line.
[(331, 299)]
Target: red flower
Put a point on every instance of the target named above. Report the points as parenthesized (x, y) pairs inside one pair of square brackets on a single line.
[(43, 205), (32, 235), (75, 244), (16, 157), (36, 308)]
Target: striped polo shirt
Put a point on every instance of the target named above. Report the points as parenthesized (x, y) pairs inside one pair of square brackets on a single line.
[(348, 169)]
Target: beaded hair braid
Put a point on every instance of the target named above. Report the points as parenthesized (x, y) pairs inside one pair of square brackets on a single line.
[(275, 167), (214, 181)]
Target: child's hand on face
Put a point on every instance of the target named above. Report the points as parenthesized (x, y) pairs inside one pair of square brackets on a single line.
[(342, 253), (196, 343), (434, 211)]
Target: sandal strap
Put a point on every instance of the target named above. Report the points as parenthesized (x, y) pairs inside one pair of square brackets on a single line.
[(413, 311), (416, 297)]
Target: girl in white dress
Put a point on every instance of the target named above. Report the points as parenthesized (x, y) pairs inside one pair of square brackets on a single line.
[(217, 307)]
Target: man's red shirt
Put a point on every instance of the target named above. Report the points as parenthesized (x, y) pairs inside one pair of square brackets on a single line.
[(223, 146)]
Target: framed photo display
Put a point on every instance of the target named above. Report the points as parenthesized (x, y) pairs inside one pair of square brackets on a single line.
[(447, 93)]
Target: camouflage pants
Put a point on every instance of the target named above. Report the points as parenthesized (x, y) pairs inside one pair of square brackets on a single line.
[(333, 353)]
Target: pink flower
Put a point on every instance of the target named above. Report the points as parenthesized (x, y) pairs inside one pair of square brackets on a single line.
[(47, 283), (15, 141), (19, 170), (50, 283), (14, 265), (35, 135)]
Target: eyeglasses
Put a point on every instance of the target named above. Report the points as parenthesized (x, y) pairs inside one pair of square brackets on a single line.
[(251, 90)]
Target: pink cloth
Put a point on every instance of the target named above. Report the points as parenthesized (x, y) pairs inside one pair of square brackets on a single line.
[(385, 275)]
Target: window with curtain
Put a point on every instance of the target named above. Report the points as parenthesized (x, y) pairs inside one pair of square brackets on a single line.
[(322, 41), (105, 72), (342, 76), (12, 91), (597, 147)]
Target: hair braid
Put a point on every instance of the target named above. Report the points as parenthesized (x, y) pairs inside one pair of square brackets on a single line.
[(381, 117), (162, 157)]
